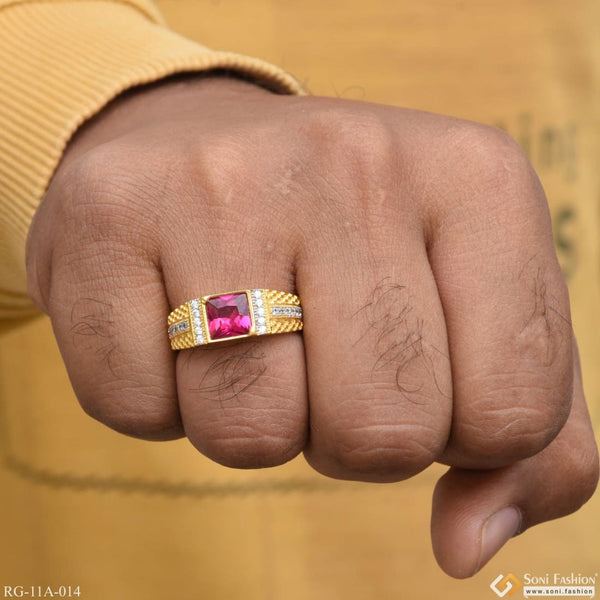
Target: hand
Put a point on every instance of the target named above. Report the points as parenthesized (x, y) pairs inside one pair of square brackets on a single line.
[(437, 321)]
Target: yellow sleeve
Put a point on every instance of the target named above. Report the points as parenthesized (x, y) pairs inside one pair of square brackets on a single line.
[(60, 63)]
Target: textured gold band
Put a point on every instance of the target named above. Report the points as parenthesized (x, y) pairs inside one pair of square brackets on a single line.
[(233, 315)]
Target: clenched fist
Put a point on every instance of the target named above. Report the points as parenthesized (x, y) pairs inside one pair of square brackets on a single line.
[(436, 318)]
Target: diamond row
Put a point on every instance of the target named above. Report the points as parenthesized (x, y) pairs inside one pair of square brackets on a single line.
[(196, 321), (258, 310), (286, 311), (178, 328)]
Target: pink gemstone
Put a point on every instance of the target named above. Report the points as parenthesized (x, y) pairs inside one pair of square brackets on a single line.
[(228, 316)]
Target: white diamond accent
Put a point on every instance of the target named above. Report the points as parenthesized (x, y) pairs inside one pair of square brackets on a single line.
[(287, 311), (177, 328), (258, 312)]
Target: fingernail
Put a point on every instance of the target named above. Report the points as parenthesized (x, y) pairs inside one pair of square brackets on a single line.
[(498, 529)]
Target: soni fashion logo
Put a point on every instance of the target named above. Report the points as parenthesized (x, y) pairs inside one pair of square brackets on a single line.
[(505, 585), (555, 585)]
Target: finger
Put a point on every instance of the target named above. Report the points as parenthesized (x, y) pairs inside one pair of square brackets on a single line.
[(107, 305), (243, 403), (476, 512), (505, 301), (378, 369)]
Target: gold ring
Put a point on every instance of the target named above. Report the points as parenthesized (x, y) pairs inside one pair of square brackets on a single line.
[(232, 316)]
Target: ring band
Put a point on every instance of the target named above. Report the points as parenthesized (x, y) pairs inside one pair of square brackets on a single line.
[(233, 315)]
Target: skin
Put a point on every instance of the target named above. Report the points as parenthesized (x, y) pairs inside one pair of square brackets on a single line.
[(437, 322)]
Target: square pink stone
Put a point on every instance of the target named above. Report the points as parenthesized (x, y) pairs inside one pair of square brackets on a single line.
[(228, 316)]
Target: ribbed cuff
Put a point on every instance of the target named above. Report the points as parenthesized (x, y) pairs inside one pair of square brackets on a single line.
[(60, 63)]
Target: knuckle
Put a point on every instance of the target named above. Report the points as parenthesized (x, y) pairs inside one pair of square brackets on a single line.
[(219, 163), (349, 137), (543, 335), (488, 162), (141, 417), (545, 343), (250, 440), (384, 450), (491, 152), (514, 421), (104, 195), (353, 154)]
